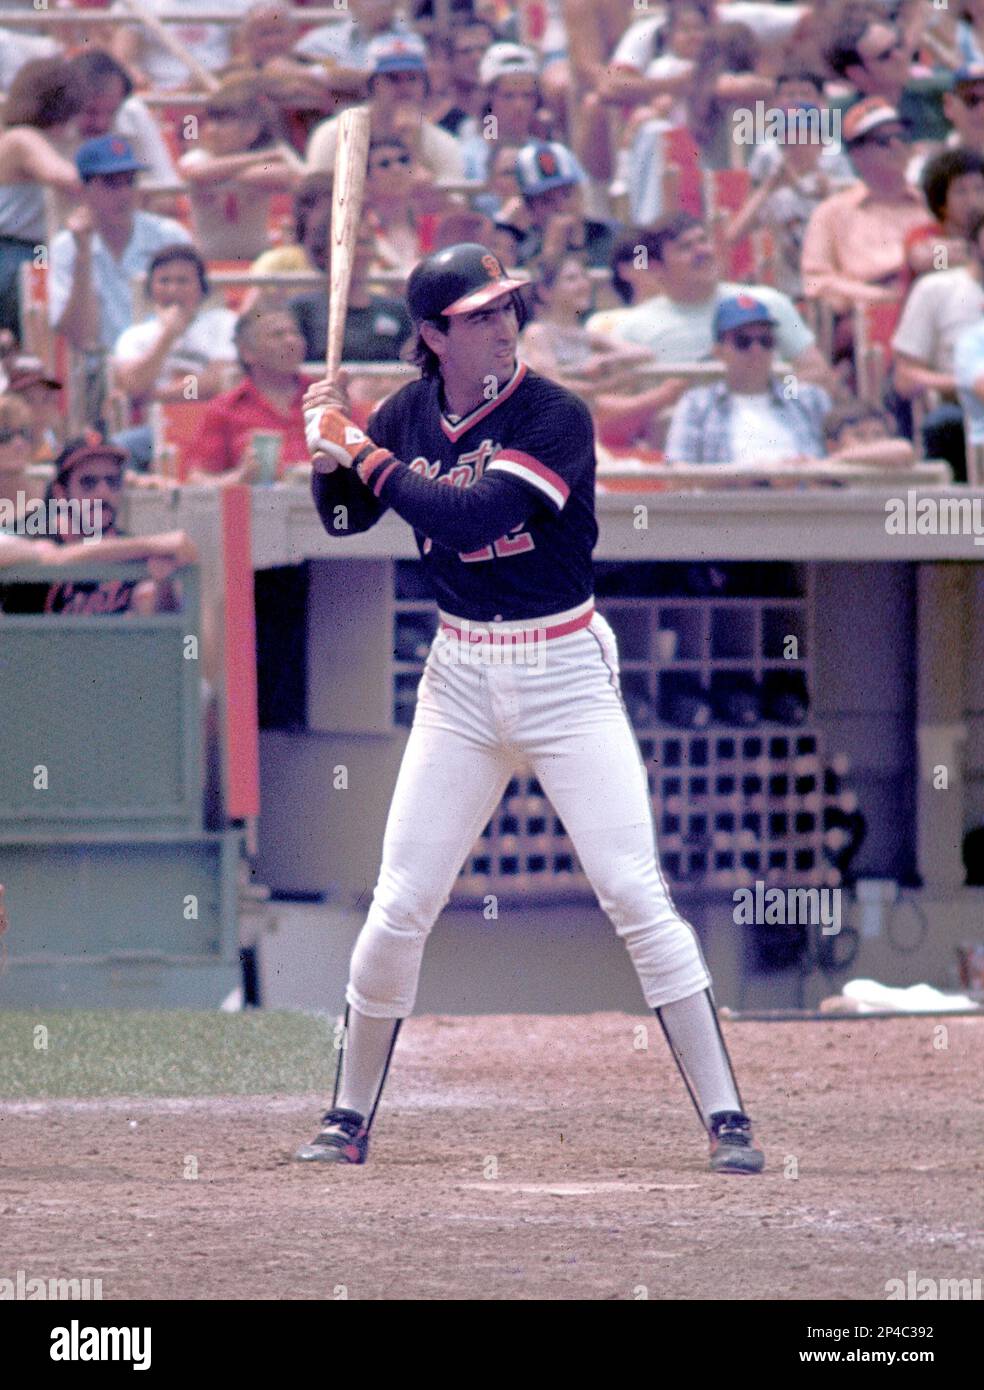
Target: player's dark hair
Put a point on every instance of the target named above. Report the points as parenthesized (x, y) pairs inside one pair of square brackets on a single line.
[(941, 171), (668, 229), (178, 251), (420, 355)]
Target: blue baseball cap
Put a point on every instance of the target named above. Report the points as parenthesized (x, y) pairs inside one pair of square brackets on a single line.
[(107, 154), (739, 311), (397, 53), (542, 165)]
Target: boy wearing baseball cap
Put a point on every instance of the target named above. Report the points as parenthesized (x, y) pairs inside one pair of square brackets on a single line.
[(550, 179)]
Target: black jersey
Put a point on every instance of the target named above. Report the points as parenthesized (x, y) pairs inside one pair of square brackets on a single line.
[(502, 501)]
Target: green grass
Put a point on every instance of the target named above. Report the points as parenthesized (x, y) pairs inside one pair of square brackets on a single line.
[(117, 1052)]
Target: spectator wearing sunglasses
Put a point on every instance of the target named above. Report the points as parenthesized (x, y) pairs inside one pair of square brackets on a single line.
[(864, 48), (105, 242), (389, 197), (854, 244), (398, 91), (749, 417), (963, 107)]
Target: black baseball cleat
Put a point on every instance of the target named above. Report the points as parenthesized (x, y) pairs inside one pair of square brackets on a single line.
[(733, 1147), (343, 1138)]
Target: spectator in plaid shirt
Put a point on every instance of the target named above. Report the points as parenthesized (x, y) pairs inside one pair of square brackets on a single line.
[(749, 417)]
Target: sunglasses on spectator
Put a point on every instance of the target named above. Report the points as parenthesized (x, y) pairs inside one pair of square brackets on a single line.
[(743, 341), (885, 54), (884, 140), (387, 163), (8, 436), (125, 179), (973, 99)]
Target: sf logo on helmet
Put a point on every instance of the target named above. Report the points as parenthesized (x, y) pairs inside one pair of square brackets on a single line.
[(492, 267)]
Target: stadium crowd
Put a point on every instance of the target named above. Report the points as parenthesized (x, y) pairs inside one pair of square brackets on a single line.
[(753, 231)]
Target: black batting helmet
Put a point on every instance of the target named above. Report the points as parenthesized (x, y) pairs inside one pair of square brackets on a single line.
[(457, 280)]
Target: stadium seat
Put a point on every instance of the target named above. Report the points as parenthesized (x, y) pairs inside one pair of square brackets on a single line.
[(873, 327), (176, 425)]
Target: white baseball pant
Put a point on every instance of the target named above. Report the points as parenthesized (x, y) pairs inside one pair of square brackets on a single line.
[(477, 723)]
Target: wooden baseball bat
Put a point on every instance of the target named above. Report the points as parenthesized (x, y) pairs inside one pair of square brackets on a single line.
[(351, 157)]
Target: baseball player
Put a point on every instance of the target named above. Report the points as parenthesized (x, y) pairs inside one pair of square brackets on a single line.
[(494, 468)]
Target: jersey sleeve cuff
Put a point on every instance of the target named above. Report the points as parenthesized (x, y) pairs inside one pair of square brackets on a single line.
[(529, 470), (373, 470)]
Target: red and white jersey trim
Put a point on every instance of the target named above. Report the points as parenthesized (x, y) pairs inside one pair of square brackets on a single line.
[(531, 470), (455, 432), (546, 627)]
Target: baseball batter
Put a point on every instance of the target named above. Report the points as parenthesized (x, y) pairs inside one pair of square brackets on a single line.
[(494, 468)]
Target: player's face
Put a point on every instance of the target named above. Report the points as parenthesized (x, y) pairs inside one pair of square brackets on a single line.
[(483, 344)]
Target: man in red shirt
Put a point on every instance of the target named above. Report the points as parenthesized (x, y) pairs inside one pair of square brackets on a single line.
[(271, 351)]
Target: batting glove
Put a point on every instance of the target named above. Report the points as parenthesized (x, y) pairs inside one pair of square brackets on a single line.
[(334, 441)]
